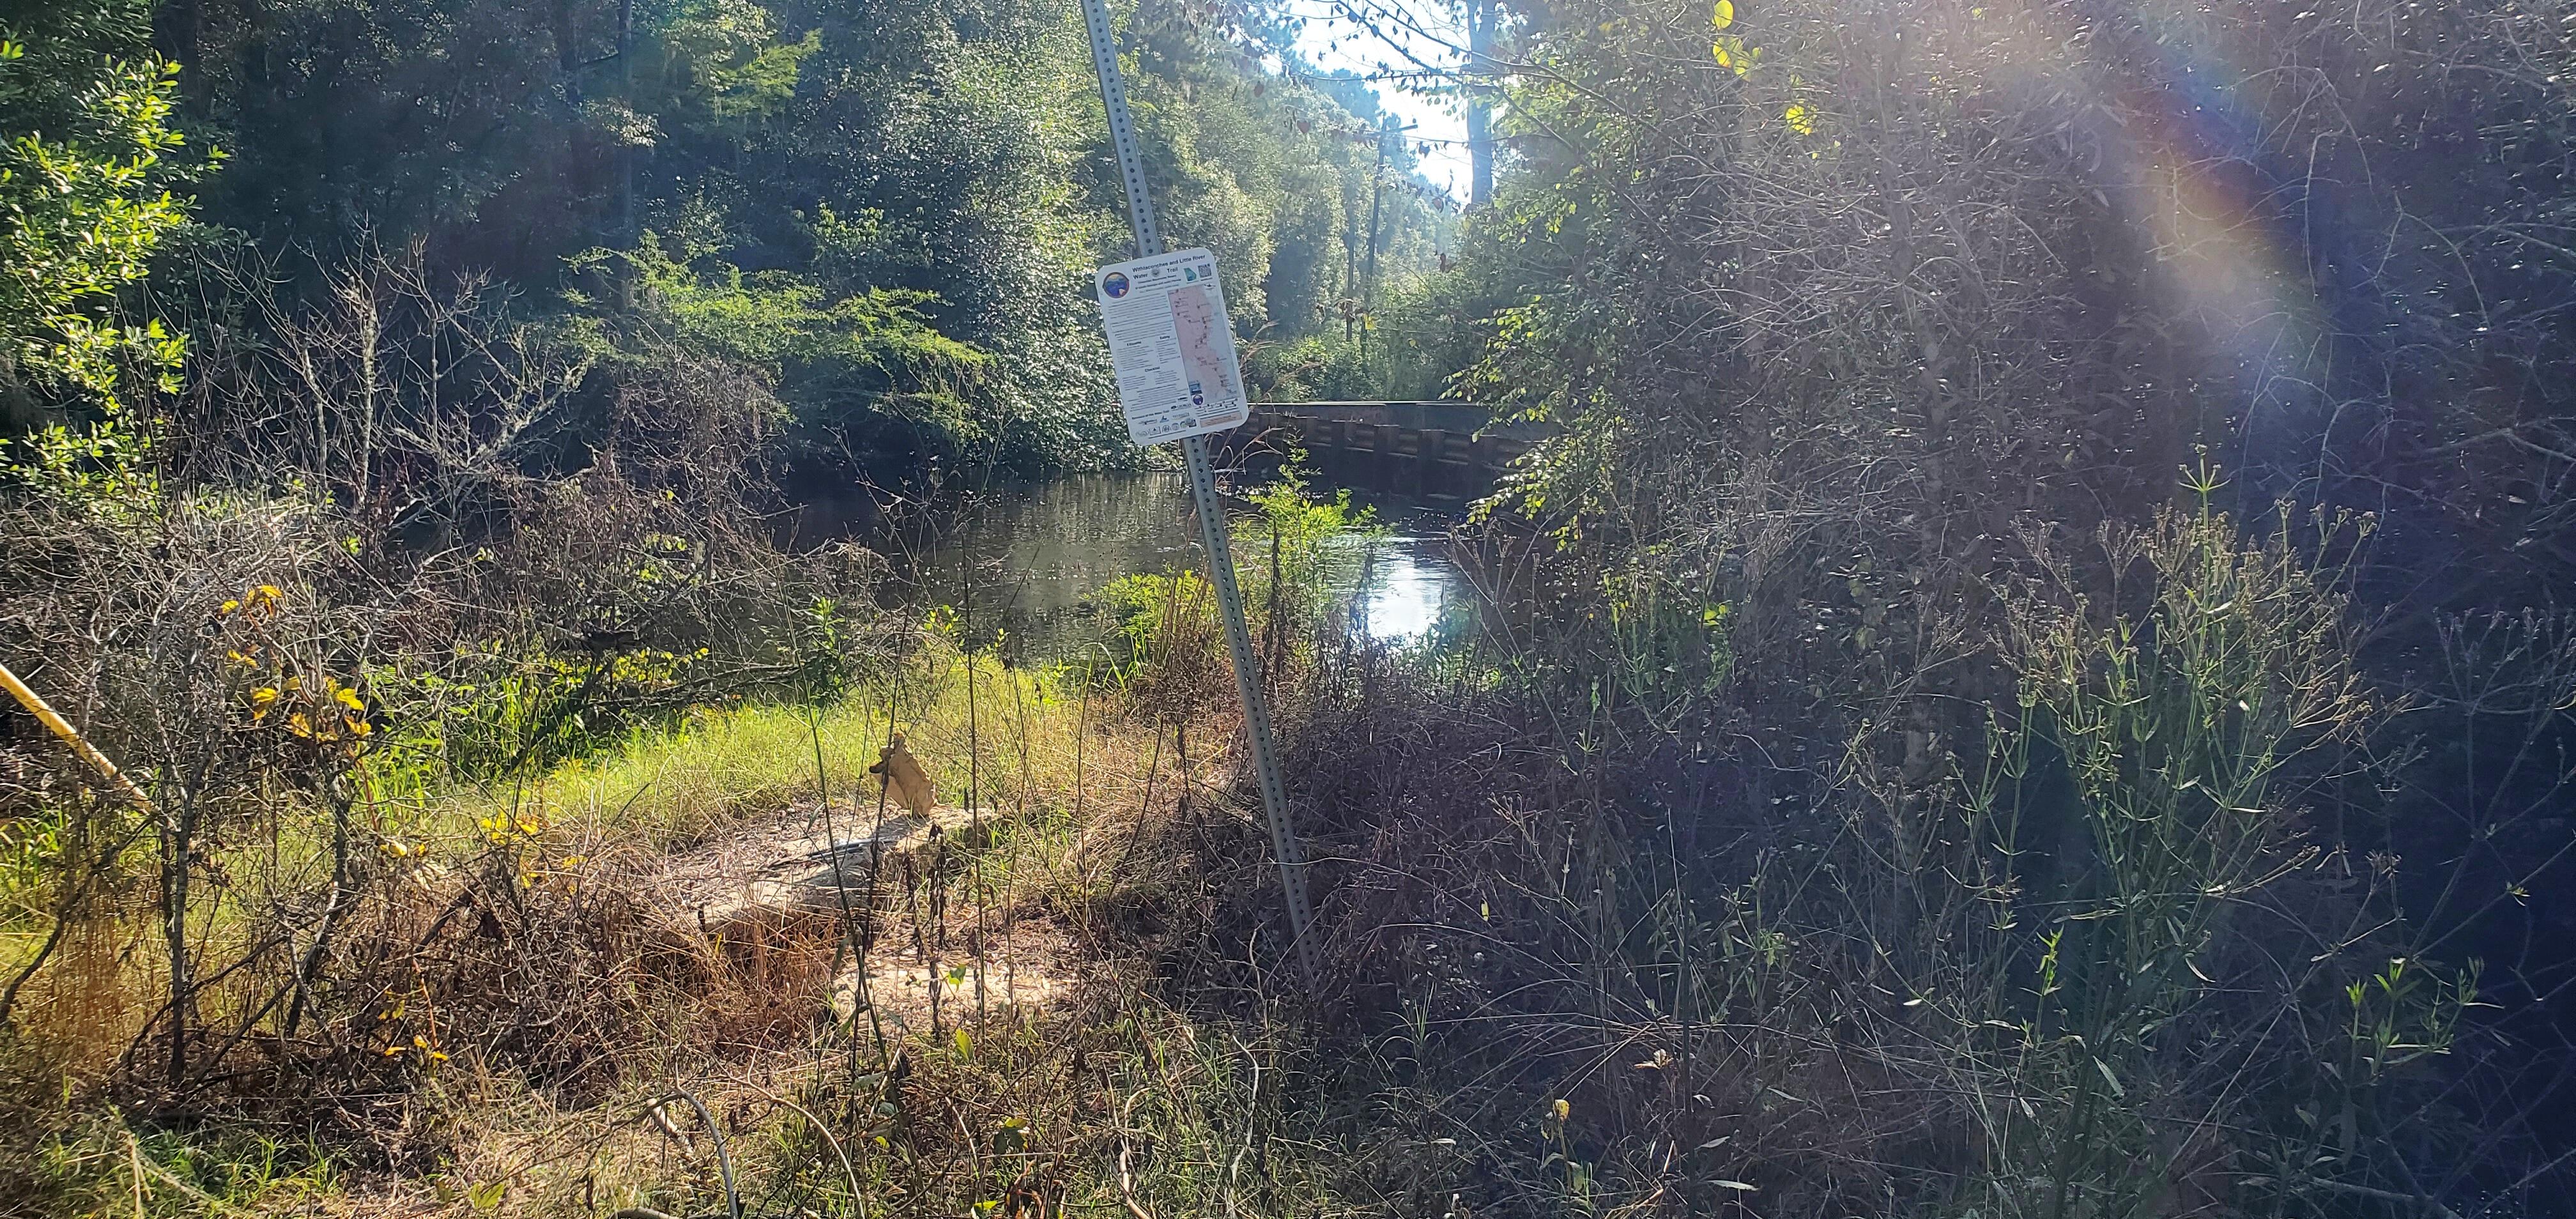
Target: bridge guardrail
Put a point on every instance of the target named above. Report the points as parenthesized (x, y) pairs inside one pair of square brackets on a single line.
[(1442, 452)]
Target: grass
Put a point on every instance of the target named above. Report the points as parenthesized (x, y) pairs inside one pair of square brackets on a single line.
[(666, 785), (509, 1020), (225, 1170), (1552, 1001), (1106, 1098)]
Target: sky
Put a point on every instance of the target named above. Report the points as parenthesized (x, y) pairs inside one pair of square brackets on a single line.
[(1335, 39)]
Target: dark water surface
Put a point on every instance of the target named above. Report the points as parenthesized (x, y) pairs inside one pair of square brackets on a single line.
[(1026, 561)]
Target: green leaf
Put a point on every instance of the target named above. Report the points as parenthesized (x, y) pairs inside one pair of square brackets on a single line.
[(2109, 1078)]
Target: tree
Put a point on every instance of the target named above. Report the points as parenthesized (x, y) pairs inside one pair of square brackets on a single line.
[(86, 200)]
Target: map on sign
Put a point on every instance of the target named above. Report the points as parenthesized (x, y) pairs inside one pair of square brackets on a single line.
[(1171, 347)]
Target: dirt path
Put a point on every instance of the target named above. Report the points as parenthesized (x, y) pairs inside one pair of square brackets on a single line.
[(774, 904)]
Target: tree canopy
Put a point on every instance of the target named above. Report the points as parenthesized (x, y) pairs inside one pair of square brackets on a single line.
[(87, 177), (888, 208)]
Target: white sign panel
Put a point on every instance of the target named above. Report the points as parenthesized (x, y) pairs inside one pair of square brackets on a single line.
[(1172, 347)]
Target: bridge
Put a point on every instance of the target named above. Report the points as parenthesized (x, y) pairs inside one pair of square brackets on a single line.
[(1438, 452)]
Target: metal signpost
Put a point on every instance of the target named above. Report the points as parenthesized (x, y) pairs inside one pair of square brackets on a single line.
[(1211, 514)]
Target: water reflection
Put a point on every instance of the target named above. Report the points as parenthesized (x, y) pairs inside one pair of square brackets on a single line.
[(1024, 561), (1033, 557), (1406, 586)]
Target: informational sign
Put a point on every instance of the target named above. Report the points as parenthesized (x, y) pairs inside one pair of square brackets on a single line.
[(1172, 347)]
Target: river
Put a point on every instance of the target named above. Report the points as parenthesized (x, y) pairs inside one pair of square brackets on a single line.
[(1032, 557)]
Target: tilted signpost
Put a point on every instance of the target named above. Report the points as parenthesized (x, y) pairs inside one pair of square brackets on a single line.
[(1172, 349)]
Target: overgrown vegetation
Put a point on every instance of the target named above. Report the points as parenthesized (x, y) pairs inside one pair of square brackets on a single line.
[(2030, 675), (1947, 746)]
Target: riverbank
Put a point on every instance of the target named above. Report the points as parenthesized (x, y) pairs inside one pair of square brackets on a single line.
[(1640, 901), (536, 931), (567, 1017)]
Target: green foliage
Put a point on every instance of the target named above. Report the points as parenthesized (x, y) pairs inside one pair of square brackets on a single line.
[(1406, 351), (1295, 555), (99, 1164), (914, 193), (869, 362), (86, 201), (1153, 614), (494, 713), (1298, 555), (1667, 638), (100, 467), (2144, 804), (723, 60)]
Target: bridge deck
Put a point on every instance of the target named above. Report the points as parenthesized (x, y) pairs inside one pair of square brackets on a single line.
[(1462, 417), (1444, 452)]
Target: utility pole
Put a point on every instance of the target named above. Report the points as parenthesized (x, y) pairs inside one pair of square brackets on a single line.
[(1350, 259), (1377, 199), (1480, 106), (1211, 514)]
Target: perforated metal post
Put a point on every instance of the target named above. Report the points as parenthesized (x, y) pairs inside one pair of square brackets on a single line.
[(1211, 513)]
